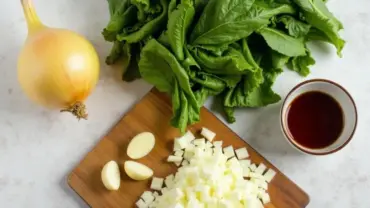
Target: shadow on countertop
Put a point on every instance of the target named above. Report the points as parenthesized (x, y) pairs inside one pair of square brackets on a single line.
[(266, 135)]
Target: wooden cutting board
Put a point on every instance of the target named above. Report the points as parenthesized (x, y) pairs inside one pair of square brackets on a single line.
[(153, 114)]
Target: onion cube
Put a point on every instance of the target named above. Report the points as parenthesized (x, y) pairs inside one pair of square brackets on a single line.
[(242, 153), (157, 183), (269, 175), (256, 175), (169, 181), (265, 198), (260, 169), (208, 134), (176, 145), (246, 171), (183, 142), (179, 153), (141, 204), (188, 136), (245, 163), (253, 167), (188, 154), (217, 143), (185, 163), (229, 152), (174, 159), (148, 197), (199, 142), (209, 145)]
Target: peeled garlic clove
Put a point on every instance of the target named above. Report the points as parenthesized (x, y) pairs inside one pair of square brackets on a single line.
[(110, 176), (141, 145), (137, 171)]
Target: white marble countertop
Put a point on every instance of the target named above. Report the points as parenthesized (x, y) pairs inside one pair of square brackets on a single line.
[(38, 148)]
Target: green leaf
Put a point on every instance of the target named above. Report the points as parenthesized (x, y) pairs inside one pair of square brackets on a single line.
[(156, 65), (148, 28), (160, 67), (283, 43), (122, 14), (229, 113), (225, 21), (301, 64), (216, 50), (317, 14), (199, 5), (231, 62), (208, 80), (142, 7), (184, 112), (171, 6), (178, 24), (255, 89), (180, 108), (248, 54), (248, 94), (296, 28), (115, 53), (316, 34), (131, 69), (203, 94), (189, 60), (266, 9), (157, 59), (278, 60)]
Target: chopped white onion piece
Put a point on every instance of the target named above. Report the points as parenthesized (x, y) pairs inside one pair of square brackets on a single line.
[(246, 171), (189, 136), (269, 175), (229, 151), (168, 181), (164, 190), (157, 183), (176, 145), (260, 183), (217, 143), (185, 163), (256, 175), (179, 153), (141, 204), (183, 142), (217, 150), (199, 142), (209, 144), (245, 163), (253, 167), (174, 159), (189, 153), (148, 197), (208, 134), (260, 169), (242, 153), (265, 198)]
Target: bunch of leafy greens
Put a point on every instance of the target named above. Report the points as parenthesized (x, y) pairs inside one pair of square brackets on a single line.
[(193, 49)]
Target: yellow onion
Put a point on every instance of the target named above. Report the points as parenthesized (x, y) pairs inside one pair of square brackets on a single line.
[(57, 68)]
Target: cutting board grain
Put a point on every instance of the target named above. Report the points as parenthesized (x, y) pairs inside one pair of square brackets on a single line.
[(153, 114)]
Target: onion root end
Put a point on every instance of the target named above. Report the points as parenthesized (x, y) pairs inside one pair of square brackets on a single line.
[(78, 109)]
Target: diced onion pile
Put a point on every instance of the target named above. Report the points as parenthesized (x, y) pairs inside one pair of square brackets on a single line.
[(209, 176)]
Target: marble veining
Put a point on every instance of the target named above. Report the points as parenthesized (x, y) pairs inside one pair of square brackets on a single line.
[(38, 147)]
